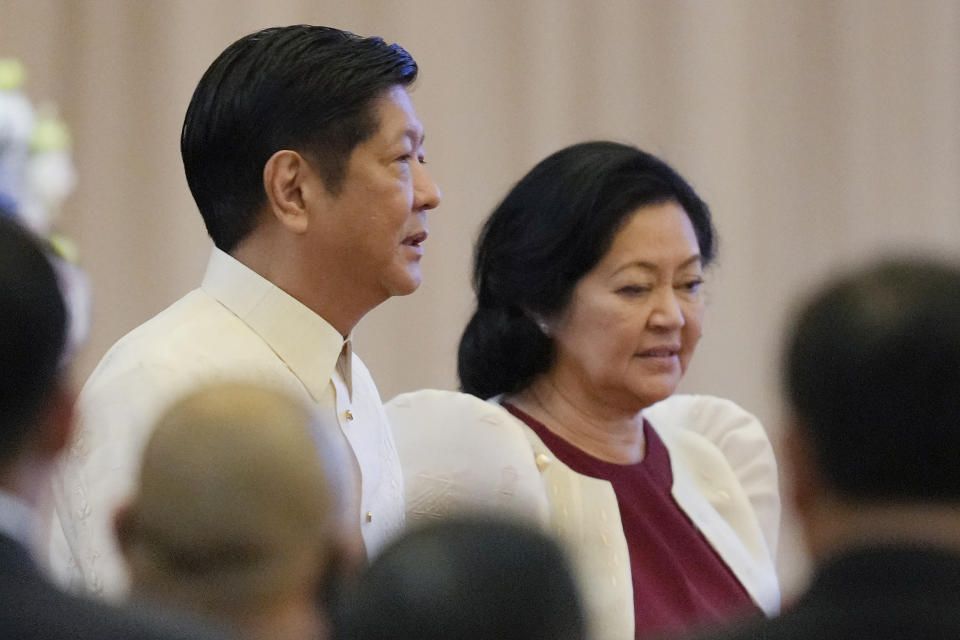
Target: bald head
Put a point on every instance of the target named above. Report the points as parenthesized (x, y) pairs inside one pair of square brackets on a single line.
[(235, 507)]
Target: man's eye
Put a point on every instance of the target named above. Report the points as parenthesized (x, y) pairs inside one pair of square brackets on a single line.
[(693, 285)]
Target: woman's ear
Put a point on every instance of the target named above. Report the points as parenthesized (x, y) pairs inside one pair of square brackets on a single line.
[(287, 180)]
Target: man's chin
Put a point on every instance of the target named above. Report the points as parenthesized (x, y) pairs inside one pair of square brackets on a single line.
[(406, 286)]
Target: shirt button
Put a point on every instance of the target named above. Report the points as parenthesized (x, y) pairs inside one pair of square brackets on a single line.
[(369, 516), (348, 414), (543, 461)]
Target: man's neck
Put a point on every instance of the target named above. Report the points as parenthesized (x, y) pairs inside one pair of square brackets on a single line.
[(842, 525), (17, 510), (321, 292)]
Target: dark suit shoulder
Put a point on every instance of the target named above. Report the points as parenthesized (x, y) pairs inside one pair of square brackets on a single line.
[(885, 593), (34, 609)]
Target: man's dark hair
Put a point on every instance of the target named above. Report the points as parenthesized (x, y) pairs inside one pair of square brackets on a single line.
[(305, 88), (33, 333), (872, 372), (552, 228), (469, 578)]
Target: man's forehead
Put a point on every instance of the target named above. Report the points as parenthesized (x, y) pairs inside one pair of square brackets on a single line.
[(397, 117)]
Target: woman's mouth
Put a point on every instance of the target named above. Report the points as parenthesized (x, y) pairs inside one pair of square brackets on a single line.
[(665, 351)]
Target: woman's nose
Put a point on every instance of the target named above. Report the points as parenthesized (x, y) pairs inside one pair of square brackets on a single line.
[(667, 312)]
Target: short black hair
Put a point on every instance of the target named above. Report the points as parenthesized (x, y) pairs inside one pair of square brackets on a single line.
[(468, 578), (33, 333), (307, 88), (872, 372), (552, 228)]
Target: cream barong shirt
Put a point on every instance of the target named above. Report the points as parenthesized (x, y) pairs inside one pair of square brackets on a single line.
[(236, 326)]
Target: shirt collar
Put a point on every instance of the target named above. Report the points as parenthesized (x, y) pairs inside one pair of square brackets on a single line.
[(17, 519), (307, 343)]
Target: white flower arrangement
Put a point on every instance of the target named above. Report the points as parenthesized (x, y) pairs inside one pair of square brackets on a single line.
[(36, 170), (36, 176)]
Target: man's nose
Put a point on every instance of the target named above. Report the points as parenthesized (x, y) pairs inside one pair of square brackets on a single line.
[(425, 191)]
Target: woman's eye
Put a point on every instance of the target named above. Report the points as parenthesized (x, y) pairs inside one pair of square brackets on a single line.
[(633, 290), (693, 285)]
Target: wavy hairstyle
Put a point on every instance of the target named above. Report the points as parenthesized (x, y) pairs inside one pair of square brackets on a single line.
[(551, 229)]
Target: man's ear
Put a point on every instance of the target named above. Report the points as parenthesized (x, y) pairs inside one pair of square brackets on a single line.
[(56, 421), (288, 180), (801, 466), (123, 527)]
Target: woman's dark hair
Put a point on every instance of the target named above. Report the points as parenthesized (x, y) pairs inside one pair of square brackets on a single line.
[(552, 228)]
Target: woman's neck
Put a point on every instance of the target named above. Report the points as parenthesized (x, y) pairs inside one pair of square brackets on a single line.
[(600, 430)]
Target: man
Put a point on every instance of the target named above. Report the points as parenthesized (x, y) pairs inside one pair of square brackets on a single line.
[(236, 517), (34, 427), (305, 157), (873, 385)]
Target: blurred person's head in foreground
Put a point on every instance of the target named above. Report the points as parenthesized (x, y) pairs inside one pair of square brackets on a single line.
[(872, 376), (469, 578), (236, 516), (35, 397)]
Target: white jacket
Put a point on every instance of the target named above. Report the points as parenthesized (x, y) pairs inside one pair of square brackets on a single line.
[(460, 453)]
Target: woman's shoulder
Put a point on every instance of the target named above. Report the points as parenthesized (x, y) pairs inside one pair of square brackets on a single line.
[(708, 426), (704, 414), (723, 423), (727, 451), (459, 452)]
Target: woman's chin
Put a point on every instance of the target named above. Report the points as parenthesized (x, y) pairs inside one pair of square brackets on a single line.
[(653, 393)]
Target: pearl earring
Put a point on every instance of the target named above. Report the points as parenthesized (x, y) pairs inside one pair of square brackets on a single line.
[(544, 327)]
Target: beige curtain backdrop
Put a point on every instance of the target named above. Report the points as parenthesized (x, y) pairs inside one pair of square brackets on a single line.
[(821, 132)]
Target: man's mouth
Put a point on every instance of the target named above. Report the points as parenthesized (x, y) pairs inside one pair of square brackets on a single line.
[(416, 239)]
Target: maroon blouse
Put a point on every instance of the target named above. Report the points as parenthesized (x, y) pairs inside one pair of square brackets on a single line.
[(679, 580)]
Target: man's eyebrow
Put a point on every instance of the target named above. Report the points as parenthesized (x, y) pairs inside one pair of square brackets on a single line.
[(416, 135)]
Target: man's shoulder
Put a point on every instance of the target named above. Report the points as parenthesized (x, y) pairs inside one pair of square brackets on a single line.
[(895, 593), (51, 615), (193, 341), (187, 323), (33, 608), (194, 333)]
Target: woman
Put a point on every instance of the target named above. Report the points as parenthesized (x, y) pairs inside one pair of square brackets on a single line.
[(589, 307)]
